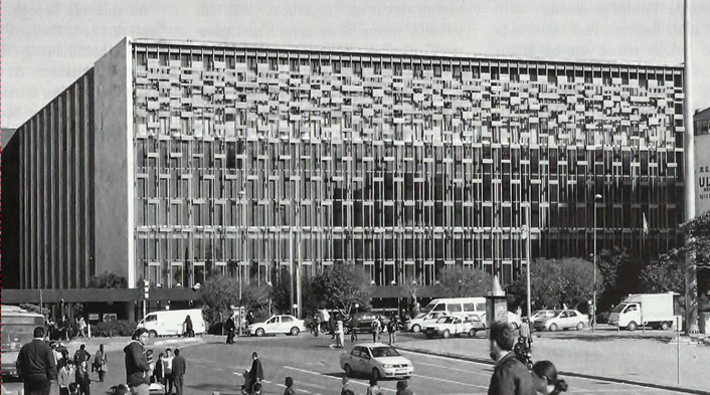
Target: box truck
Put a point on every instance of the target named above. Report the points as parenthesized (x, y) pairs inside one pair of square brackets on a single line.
[(653, 310)]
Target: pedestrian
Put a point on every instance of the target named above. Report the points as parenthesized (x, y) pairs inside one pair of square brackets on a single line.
[(81, 324), (179, 369), (66, 377), (168, 371), (331, 325), (373, 389), (81, 355), (136, 363), (510, 376), (340, 334), (289, 386), (36, 366), (402, 388), (354, 325), (376, 330), (229, 326), (101, 363), (392, 330), (82, 378), (525, 332), (188, 332), (158, 372), (256, 373), (346, 386), (545, 379)]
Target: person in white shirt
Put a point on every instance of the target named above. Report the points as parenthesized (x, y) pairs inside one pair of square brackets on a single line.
[(66, 377), (168, 371)]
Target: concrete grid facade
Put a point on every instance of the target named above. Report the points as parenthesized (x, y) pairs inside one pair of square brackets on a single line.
[(401, 163)]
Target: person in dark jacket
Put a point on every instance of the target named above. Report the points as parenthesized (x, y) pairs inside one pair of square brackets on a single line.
[(402, 388), (179, 369), (36, 366), (256, 373), (83, 379), (510, 376), (332, 322), (137, 366), (229, 327), (545, 379), (81, 355), (188, 327), (289, 387)]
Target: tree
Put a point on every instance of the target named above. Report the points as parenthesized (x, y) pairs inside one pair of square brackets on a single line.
[(685, 261), (663, 276), (621, 276), (108, 280), (556, 282), (218, 296), (459, 282), (342, 286), (281, 290)]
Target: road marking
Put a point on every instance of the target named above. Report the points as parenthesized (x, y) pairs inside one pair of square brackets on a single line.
[(334, 378), (458, 370), (449, 381), (574, 377)]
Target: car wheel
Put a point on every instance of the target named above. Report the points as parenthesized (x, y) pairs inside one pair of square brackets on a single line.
[(376, 374), (472, 333), (260, 332), (580, 326), (553, 327), (153, 334), (416, 328), (665, 326), (632, 326), (348, 371), (295, 331), (446, 334)]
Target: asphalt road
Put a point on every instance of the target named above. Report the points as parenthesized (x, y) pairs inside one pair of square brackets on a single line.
[(314, 366)]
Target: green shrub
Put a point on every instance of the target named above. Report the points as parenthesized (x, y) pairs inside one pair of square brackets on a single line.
[(113, 328)]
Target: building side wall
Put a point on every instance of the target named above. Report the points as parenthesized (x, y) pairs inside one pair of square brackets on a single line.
[(54, 194), (12, 215), (113, 165), (401, 164)]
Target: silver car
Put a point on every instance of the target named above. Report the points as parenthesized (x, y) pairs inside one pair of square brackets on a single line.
[(376, 360)]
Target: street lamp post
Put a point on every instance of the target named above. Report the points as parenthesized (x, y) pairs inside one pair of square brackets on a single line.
[(527, 235), (594, 291), (242, 195)]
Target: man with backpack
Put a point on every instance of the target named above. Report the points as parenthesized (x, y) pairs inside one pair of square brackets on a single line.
[(392, 330)]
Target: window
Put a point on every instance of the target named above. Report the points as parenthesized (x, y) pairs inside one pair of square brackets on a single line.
[(286, 319), (454, 307), (440, 307), (469, 307)]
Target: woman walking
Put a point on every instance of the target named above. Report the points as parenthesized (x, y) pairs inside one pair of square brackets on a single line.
[(101, 363)]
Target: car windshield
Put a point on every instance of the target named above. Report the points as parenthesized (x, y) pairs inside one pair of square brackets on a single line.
[(445, 320), (379, 352), (619, 308), (420, 315)]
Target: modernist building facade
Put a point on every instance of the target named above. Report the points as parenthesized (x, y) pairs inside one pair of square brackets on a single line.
[(172, 160)]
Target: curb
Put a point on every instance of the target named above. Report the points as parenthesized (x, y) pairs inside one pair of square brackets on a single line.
[(570, 374)]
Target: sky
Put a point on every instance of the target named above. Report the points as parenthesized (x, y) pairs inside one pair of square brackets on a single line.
[(48, 44)]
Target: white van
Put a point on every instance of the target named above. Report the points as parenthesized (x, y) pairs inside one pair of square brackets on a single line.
[(458, 306), (170, 322)]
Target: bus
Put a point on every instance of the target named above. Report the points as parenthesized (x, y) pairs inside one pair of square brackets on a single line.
[(17, 330)]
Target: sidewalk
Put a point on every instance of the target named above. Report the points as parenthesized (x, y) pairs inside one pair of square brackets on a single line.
[(648, 361)]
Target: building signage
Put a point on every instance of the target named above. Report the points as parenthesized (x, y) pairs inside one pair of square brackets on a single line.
[(702, 174)]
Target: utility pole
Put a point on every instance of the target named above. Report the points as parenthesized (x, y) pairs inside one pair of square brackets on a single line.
[(245, 243), (689, 148), (527, 252)]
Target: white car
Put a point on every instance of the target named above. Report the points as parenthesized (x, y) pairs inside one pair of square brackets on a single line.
[(513, 320), (562, 319), (286, 324), (422, 319), (453, 326), (376, 360)]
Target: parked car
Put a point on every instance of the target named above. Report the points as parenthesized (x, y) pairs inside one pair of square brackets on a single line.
[(286, 324), (422, 319), (562, 319), (365, 322), (513, 319), (541, 315), (453, 326), (376, 360)]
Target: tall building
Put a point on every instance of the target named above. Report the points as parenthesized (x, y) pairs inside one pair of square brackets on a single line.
[(169, 160)]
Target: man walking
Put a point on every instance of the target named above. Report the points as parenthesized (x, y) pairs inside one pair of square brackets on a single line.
[(137, 366), (392, 330), (229, 326), (510, 376), (36, 366), (179, 369)]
